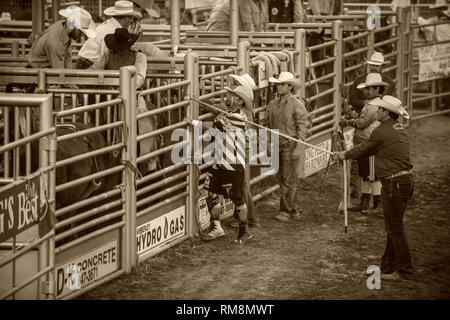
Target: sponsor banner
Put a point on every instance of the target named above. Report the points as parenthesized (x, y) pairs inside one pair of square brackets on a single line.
[(434, 62), (87, 268), (163, 229), (226, 206), (316, 159), (203, 213), (262, 80), (22, 206)]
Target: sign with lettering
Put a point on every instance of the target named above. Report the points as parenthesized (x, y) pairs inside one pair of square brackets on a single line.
[(22, 206), (87, 268), (163, 229), (434, 62)]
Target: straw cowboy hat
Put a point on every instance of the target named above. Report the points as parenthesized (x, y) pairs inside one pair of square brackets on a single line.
[(246, 81), (80, 19), (394, 105), (372, 80), (286, 77), (439, 4), (376, 59), (120, 40), (244, 93), (122, 8), (150, 6)]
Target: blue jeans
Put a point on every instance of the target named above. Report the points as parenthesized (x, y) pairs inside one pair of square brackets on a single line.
[(288, 175), (395, 194)]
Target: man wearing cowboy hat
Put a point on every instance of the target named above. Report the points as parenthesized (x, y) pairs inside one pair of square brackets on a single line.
[(364, 125), (123, 15), (121, 53), (52, 48), (290, 117), (357, 100), (226, 177), (390, 145)]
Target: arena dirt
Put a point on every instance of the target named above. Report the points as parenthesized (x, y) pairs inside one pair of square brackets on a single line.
[(313, 258)]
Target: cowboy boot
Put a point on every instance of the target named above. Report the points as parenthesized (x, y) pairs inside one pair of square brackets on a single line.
[(364, 205), (377, 209), (243, 236)]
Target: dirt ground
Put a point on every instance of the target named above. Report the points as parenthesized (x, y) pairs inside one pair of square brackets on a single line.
[(312, 258)]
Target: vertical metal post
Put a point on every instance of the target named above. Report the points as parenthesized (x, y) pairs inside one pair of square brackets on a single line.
[(191, 74), (400, 53), (409, 59), (55, 10), (38, 16), (15, 49), (243, 59), (127, 90), (174, 22), (45, 122), (300, 58), (42, 81), (338, 86), (234, 22)]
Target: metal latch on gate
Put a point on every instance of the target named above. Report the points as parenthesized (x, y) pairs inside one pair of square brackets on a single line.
[(101, 78)]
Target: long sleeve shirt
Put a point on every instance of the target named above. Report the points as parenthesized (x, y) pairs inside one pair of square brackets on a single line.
[(357, 97), (52, 49), (95, 48), (390, 144), (366, 122), (290, 117)]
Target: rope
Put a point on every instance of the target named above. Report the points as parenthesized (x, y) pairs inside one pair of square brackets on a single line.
[(262, 127)]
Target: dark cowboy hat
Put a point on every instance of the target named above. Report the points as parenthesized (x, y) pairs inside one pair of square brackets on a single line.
[(120, 40)]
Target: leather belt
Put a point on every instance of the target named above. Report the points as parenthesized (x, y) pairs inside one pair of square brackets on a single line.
[(398, 174)]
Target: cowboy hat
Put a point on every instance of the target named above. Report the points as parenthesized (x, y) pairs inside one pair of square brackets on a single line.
[(80, 19), (377, 59), (372, 80), (122, 8), (244, 94), (286, 77), (246, 81), (394, 105), (439, 4), (120, 40), (150, 6)]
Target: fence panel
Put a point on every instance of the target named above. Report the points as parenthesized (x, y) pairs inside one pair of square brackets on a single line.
[(27, 199)]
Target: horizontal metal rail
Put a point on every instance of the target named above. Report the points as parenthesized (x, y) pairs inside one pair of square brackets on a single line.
[(162, 130), (161, 194), (26, 140), (174, 85), (78, 110), (162, 109), (162, 183), (160, 173), (88, 237), (90, 154), (86, 132), (161, 204)]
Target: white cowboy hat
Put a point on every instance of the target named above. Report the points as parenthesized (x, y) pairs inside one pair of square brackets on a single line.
[(243, 93), (372, 80), (286, 77), (246, 81), (150, 6), (394, 105), (376, 59), (439, 4), (122, 8), (80, 19)]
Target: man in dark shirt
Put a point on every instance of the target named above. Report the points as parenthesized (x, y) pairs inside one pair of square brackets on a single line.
[(357, 100), (389, 143)]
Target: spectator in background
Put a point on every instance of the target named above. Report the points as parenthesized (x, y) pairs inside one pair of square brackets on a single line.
[(253, 16), (52, 48), (122, 16)]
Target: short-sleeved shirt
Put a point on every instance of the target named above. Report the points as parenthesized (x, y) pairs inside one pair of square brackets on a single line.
[(95, 48), (52, 49)]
